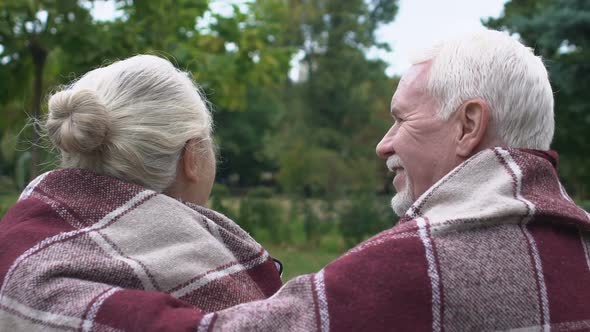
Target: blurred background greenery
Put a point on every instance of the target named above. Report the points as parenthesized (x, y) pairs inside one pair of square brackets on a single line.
[(297, 165)]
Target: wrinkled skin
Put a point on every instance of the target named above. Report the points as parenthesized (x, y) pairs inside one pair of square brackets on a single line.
[(425, 143)]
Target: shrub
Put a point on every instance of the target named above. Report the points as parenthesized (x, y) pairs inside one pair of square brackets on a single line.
[(218, 201), (261, 215), (365, 215)]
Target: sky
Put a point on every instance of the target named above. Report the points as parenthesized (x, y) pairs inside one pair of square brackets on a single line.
[(418, 24), (421, 23)]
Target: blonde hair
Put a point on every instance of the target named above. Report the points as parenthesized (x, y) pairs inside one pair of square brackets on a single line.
[(130, 120), (493, 66)]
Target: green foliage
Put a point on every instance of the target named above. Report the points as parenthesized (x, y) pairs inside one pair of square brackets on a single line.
[(340, 80), (311, 222), (22, 169), (68, 43), (364, 215), (241, 136), (325, 146), (219, 200), (312, 141), (331, 226), (29, 32), (261, 215), (8, 148), (6, 200), (299, 260), (311, 170), (584, 204)]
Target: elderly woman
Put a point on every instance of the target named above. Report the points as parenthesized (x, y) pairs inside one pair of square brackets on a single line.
[(121, 224)]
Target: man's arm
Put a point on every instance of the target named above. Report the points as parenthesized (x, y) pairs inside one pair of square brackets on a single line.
[(381, 283)]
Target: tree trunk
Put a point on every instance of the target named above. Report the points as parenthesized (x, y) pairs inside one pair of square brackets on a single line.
[(39, 54)]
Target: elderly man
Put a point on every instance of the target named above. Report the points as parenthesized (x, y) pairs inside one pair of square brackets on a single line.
[(488, 238)]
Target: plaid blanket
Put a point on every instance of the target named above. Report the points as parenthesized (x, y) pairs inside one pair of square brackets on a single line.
[(496, 244), (77, 241)]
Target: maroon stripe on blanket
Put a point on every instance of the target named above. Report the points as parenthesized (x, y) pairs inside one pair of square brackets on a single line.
[(79, 188), (27, 223), (267, 277), (565, 270), (560, 248), (225, 292), (544, 191), (387, 285), (407, 229), (242, 251), (133, 310), (71, 216)]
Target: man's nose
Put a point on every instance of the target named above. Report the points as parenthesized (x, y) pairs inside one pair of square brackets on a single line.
[(385, 148)]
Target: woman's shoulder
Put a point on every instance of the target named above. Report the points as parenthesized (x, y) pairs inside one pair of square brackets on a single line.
[(33, 215)]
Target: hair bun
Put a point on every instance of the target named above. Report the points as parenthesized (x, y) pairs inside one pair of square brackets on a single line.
[(78, 121)]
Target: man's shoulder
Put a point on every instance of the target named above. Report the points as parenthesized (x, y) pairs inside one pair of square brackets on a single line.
[(473, 277)]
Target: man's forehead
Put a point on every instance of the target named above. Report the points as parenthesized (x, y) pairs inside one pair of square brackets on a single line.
[(398, 107), (416, 75), (410, 87), (397, 103), (393, 105)]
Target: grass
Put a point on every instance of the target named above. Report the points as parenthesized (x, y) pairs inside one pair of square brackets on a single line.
[(6, 201), (299, 260)]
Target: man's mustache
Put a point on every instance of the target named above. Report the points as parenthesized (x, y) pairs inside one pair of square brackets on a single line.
[(394, 162)]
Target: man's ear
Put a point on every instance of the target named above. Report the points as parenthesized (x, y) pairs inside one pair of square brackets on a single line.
[(190, 163), (474, 120)]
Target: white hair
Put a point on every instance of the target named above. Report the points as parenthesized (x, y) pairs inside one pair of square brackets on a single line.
[(493, 66), (131, 120), (403, 199)]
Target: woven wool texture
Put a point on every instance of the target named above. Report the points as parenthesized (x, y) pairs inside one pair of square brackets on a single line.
[(76, 239), (496, 244)]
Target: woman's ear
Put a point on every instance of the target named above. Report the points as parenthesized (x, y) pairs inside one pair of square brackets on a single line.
[(195, 173), (189, 159), (474, 121)]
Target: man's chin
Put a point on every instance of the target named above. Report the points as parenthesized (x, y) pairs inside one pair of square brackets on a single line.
[(401, 202)]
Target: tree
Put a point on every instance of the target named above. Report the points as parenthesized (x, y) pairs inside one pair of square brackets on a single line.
[(334, 111), (559, 30), (239, 60), (29, 32), (247, 78), (244, 80)]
